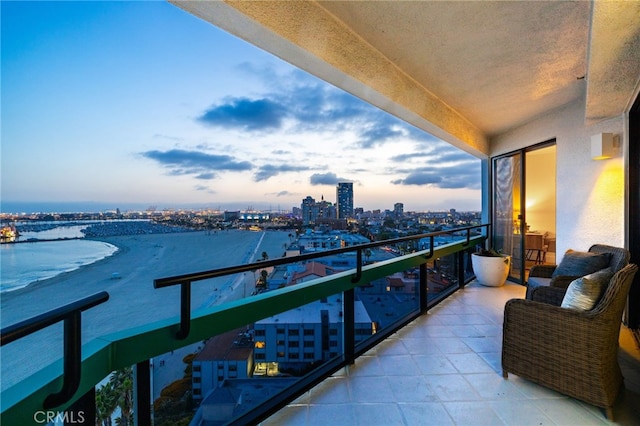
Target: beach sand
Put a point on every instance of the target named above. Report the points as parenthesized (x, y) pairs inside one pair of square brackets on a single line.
[(132, 299)]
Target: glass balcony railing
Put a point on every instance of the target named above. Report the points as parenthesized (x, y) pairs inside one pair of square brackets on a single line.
[(240, 361)]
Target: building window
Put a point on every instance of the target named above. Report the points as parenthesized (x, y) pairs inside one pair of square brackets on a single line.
[(196, 380), (294, 332), (280, 342), (294, 344), (294, 356), (259, 332), (196, 391), (280, 330), (333, 343), (309, 332), (309, 344), (309, 355), (259, 356), (333, 331), (196, 367)]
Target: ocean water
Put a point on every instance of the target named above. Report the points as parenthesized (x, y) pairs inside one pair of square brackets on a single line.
[(24, 263)]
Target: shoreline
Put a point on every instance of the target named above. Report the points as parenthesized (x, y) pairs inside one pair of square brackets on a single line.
[(133, 301), (116, 250)]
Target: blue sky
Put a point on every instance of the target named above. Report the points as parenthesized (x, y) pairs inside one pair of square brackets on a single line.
[(123, 103)]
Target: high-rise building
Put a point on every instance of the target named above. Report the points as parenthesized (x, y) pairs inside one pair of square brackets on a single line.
[(344, 200), (308, 210), (398, 210), (314, 212)]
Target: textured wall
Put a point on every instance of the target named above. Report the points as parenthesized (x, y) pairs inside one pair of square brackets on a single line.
[(590, 194)]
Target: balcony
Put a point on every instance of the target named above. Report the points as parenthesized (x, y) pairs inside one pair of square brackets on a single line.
[(444, 368), (437, 358)]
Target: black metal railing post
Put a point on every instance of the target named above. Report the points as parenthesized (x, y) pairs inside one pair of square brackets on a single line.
[(142, 396), (461, 277), (423, 290), (349, 326), (430, 254), (185, 310), (358, 275), (72, 361)]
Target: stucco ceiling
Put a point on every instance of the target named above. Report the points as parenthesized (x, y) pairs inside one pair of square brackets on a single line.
[(468, 70), (496, 63)]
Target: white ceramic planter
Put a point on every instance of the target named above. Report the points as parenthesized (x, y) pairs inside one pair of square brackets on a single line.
[(491, 271)]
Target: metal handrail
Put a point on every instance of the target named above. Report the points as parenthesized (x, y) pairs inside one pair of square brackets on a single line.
[(128, 347), (71, 315), (214, 273), (185, 280)]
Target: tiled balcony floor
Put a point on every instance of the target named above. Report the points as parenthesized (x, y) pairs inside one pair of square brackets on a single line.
[(444, 369)]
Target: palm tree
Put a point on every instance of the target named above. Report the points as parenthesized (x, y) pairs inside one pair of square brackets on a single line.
[(122, 383), (106, 404)]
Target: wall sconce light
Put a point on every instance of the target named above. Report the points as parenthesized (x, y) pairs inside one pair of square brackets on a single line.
[(604, 145)]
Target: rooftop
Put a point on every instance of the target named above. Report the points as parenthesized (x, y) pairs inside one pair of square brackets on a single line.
[(234, 345)]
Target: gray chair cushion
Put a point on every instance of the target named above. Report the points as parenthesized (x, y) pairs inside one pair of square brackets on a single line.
[(535, 282), (585, 292), (581, 263)]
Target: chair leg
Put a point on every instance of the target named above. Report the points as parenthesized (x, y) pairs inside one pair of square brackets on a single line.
[(505, 374), (609, 412)]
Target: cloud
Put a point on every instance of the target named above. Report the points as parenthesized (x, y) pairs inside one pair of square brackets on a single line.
[(438, 153), (465, 174), (204, 188), (419, 178), (326, 179), (200, 164), (308, 105), (378, 134), (206, 176), (269, 170), (403, 158), (296, 103), (246, 114)]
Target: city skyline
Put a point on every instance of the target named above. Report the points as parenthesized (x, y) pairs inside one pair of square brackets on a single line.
[(116, 104)]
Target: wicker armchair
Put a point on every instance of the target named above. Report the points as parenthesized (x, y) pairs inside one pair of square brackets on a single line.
[(619, 259), (573, 352)]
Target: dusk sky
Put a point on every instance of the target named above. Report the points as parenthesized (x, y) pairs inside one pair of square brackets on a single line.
[(141, 103)]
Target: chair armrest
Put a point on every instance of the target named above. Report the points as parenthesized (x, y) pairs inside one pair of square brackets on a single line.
[(548, 295), (543, 271), (544, 339)]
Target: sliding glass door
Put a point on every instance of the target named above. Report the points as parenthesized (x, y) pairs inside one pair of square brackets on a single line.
[(507, 210), (523, 210)]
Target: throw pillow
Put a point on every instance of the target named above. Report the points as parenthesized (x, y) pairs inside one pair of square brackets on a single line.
[(581, 263), (585, 292)]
